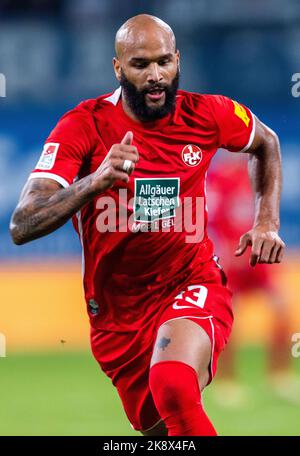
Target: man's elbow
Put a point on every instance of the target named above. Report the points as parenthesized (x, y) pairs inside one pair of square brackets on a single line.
[(16, 232), (271, 139), (16, 237), (269, 146)]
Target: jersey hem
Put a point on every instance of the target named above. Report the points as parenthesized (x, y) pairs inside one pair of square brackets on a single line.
[(248, 145), (52, 176)]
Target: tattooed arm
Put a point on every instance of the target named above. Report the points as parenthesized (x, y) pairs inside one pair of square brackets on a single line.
[(44, 205)]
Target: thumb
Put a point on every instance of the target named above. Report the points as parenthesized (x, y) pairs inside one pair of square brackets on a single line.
[(243, 244), (127, 138)]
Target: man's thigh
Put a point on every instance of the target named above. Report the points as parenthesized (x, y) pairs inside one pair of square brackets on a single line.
[(195, 328), (184, 340)]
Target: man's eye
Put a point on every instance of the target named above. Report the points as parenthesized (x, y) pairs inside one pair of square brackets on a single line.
[(140, 65), (163, 62)]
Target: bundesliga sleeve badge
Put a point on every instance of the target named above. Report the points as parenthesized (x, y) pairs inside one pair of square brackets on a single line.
[(48, 156)]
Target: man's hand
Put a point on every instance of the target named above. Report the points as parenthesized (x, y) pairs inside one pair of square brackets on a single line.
[(264, 168), (267, 247), (112, 167), (44, 206)]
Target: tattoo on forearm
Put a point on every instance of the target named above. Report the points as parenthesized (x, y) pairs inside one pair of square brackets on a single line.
[(163, 343), (48, 211)]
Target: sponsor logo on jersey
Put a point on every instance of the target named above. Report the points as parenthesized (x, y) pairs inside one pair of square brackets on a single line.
[(191, 155), (241, 112), (47, 159), (155, 199)]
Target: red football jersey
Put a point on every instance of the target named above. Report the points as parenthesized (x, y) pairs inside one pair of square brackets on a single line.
[(121, 265)]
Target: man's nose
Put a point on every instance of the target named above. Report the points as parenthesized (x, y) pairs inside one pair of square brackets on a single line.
[(154, 74)]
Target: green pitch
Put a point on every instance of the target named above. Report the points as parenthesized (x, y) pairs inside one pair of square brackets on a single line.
[(67, 394)]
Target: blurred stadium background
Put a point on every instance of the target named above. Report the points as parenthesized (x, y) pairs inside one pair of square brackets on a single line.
[(56, 53)]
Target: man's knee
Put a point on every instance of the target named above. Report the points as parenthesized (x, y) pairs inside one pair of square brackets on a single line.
[(174, 386), (167, 384), (158, 429), (177, 397)]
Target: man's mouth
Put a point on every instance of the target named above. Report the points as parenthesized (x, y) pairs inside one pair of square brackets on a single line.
[(155, 94)]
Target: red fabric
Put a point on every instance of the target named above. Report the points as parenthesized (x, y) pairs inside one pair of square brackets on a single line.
[(120, 266), (176, 393), (125, 356)]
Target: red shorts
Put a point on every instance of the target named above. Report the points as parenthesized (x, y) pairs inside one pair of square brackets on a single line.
[(125, 356)]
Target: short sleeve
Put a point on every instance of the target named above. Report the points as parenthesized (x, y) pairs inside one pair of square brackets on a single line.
[(66, 148), (235, 122)]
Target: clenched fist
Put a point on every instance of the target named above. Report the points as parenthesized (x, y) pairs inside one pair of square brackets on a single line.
[(118, 164)]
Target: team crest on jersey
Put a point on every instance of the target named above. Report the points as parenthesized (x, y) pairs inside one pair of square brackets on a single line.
[(191, 155), (47, 159)]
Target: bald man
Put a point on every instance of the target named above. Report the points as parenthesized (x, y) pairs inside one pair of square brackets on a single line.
[(130, 168)]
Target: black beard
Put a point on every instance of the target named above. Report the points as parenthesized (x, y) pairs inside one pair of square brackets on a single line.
[(136, 99)]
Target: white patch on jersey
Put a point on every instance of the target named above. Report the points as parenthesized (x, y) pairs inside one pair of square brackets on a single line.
[(199, 295), (47, 159), (191, 155)]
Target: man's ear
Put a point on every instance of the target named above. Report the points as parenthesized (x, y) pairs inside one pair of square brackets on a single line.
[(178, 59), (117, 68)]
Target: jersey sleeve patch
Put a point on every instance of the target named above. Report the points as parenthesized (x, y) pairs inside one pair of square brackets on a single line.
[(48, 156), (241, 112)]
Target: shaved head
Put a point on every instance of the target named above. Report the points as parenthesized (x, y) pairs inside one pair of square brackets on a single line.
[(138, 30)]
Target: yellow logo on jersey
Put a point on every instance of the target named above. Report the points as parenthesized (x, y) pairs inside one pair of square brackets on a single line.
[(241, 112)]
